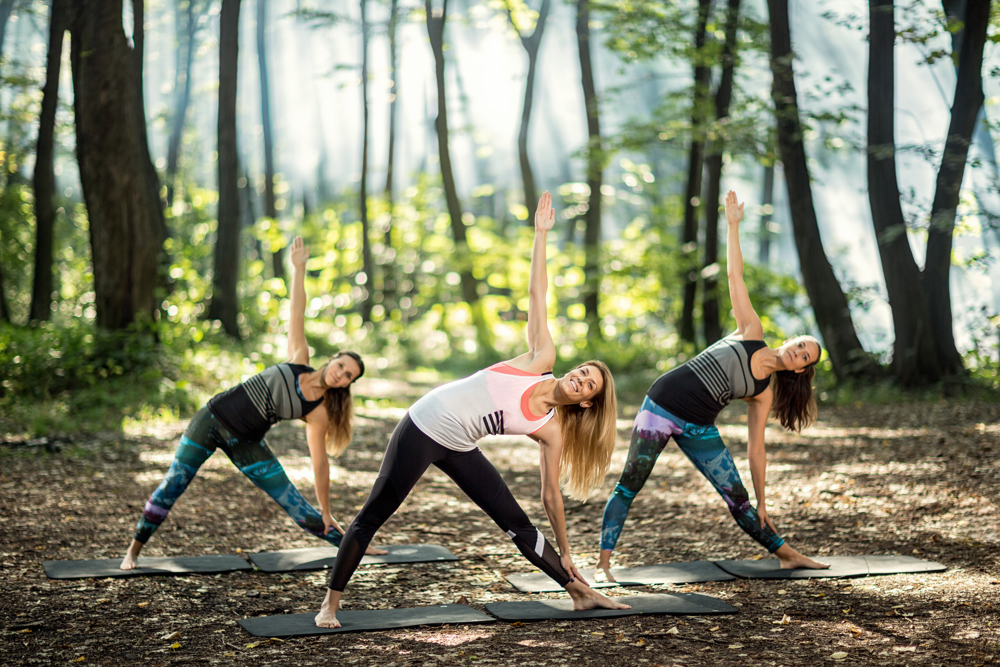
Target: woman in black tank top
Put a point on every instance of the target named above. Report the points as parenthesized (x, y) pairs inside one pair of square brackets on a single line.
[(236, 421), (684, 403)]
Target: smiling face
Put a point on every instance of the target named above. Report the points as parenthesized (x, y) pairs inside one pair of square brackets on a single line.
[(799, 352), (582, 384), (341, 371)]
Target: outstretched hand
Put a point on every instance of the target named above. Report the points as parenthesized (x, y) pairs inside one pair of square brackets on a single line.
[(567, 564), (765, 518), (734, 210), (299, 253), (545, 215)]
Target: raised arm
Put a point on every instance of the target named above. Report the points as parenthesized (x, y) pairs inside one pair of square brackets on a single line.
[(541, 354), (298, 348), (747, 322)]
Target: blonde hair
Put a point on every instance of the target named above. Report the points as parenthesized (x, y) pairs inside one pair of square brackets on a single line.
[(339, 405), (588, 436)]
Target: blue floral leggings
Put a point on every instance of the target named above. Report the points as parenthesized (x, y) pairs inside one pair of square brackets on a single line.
[(253, 458), (704, 447)]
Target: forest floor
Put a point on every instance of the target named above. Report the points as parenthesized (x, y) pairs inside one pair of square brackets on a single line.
[(915, 479)]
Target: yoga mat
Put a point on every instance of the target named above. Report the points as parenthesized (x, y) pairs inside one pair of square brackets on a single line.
[(693, 572), (302, 625), (320, 558), (840, 567), (108, 567), (670, 603)]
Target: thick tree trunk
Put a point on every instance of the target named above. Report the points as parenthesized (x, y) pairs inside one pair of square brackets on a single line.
[(388, 274), (531, 43), (915, 358), (270, 205), (123, 212), (766, 202), (833, 315), (692, 194), (225, 306), (965, 108), (44, 177), (723, 96), (436, 19), (366, 242), (595, 174), (182, 89)]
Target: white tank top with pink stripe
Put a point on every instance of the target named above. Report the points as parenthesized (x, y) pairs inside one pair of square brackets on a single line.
[(493, 401)]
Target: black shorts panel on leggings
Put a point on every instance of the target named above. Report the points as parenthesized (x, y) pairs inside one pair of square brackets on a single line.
[(408, 456)]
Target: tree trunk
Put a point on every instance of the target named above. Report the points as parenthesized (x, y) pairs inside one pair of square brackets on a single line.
[(766, 201), (833, 315), (531, 44), (436, 19), (692, 195), (915, 359), (965, 108), (152, 178), (44, 177), (270, 207), (6, 7), (723, 96), (225, 306), (183, 92), (366, 242), (595, 168), (124, 214), (388, 274)]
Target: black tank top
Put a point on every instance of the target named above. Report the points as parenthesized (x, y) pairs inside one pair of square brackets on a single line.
[(249, 409), (699, 389)]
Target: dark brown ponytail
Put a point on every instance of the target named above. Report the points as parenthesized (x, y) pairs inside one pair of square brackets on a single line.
[(794, 404), (339, 407)]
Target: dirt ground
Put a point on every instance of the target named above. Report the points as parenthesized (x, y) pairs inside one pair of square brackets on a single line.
[(919, 479)]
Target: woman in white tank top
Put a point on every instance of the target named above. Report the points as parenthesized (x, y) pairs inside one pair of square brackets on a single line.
[(572, 418)]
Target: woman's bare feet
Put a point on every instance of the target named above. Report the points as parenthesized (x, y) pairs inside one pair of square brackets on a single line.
[(585, 597), (793, 560), (131, 560), (375, 551), (327, 616)]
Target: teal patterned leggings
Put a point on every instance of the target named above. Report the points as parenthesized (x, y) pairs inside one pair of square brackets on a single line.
[(254, 459), (704, 447)]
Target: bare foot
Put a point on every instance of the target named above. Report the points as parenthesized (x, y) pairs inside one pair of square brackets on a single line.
[(327, 616), (607, 574), (585, 597), (375, 551), (131, 560), (604, 564), (793, 560)]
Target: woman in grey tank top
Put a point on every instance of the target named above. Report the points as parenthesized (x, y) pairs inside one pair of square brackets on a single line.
[(684, 403), (236, 421)]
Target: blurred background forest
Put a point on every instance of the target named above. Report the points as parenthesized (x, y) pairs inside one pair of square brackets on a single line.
[(156, 157)]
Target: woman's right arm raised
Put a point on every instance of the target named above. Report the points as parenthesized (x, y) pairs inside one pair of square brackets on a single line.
[(298, 348), (747, 322), (541, 355)]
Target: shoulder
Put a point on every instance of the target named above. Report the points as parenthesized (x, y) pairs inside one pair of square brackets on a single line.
[(534, 363)]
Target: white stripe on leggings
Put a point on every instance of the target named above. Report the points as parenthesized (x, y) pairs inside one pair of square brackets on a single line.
[(539, 544)]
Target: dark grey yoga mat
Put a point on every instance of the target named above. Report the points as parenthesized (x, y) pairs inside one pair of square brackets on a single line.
[(669, 603), (302, 625), (109, 567), (840, 567), (693, 572), (320, 558)]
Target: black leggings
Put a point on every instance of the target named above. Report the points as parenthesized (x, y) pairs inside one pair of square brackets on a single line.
[(410, 453)]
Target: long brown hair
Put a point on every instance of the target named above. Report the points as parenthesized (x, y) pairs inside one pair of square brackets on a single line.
[(794, 404), (588, 436), (339, 407)]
